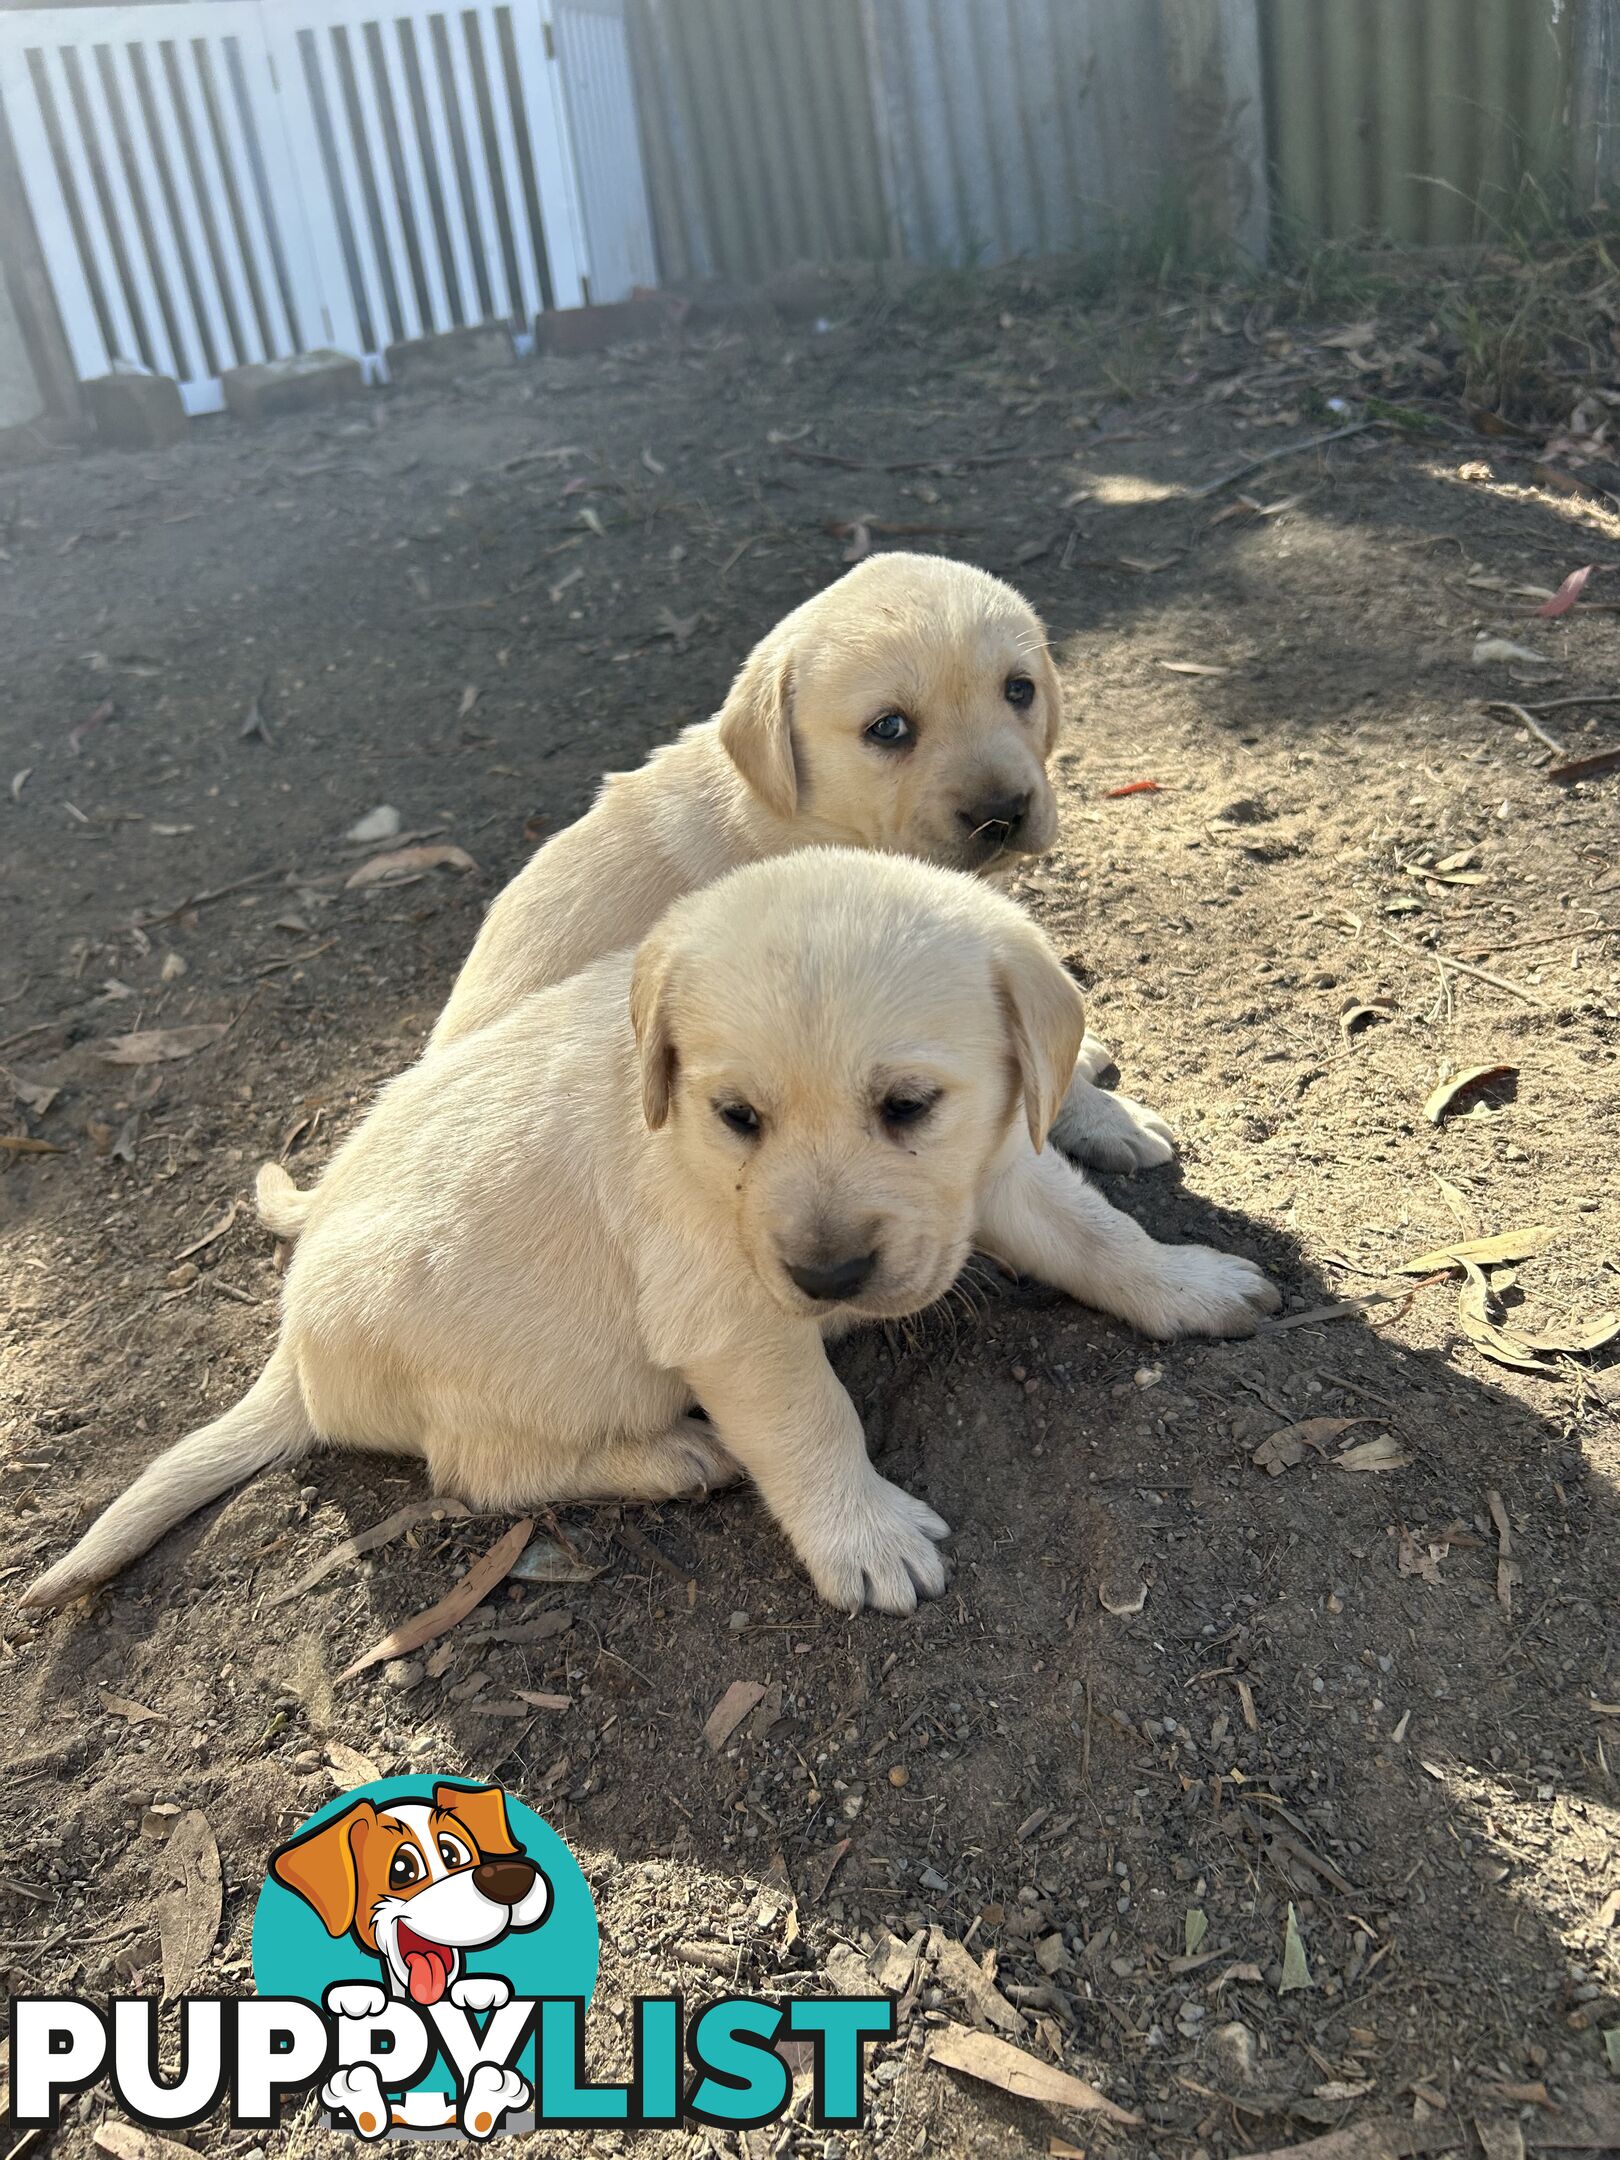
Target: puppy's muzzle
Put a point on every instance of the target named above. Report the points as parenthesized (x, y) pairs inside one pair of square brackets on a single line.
[(830, 1281), (997, 821), (505, 1882)]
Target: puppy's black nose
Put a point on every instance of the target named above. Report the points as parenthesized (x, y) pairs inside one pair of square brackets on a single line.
[(835, 1278), (996, 819), (505, 1882)]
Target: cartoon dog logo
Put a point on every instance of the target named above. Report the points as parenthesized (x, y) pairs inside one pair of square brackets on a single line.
[(417, 1884)]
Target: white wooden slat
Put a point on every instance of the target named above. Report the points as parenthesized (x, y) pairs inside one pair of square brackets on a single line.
[(246, 263), (489, 232), (127, 345), (353, 193), (41, 184), (443, 159), (112, 165), (553, 147), (296, 175), (257, 92), (229, 270), (526, 300), (193, 230), (382, 172), (427, 236), (168, 265)]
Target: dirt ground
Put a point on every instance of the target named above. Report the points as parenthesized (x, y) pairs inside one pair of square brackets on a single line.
[(1386, 1699)]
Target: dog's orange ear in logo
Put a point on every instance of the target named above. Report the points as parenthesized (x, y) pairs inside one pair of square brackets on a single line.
[(482, 1811), (320, 1866)]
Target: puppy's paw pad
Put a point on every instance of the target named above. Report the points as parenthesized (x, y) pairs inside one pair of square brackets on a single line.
[(1215, 1293), (881, 1552), (356, 1999), (358, 2094), (1112, 1132), (480, 1991), (491, 2094)]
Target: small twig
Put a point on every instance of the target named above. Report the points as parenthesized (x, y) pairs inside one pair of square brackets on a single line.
[(1571, 935), (1557, 704), (1271, 457), (1526, 718), (202, 899), (1463, 967)]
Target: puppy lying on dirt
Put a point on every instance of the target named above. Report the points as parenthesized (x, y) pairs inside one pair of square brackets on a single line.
[(665, 1182), (910, 707)]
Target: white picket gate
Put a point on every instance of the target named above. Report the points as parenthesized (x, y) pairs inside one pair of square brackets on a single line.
[(220, 181)]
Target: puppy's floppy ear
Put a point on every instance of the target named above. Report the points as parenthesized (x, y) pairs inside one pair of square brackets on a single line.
[(1046, 1022), (651, 995), (755, 725), (480, 1809), (320, 1866)]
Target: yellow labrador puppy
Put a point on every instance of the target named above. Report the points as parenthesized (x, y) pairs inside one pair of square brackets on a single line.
[(666, 1182), (911, 707)]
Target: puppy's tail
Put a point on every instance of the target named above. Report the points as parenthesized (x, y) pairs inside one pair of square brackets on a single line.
[(269, 1427), (282, 1207)]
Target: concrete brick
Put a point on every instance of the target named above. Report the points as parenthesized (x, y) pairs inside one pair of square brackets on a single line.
[(266, 389), (449, 353), (563, 332), (137, 412)]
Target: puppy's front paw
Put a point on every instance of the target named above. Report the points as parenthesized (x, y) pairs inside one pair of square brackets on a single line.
[(491, 2093), (878, 1547), (480, 1991), (1111, 1132), (1094, 1059), (356, 1999), (357, 2093), (1204, 1292)]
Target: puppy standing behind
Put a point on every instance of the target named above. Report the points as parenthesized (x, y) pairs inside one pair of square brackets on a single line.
[(665, 1182), (911, 707)]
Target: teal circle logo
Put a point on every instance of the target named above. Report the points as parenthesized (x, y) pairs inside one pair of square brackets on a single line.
[(437, 1895)]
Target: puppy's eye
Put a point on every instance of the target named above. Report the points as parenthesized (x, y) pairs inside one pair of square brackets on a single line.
[(891, 729), (900, 1110), (453, 1853), (404, 1869), (742, 1118), (1019, 692)]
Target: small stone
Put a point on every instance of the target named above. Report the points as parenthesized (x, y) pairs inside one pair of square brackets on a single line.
[(179, 1278), (306, 1760), (404, 1673), (737, 1622), (1147, 1376), (899, 1775), (931, 1879)]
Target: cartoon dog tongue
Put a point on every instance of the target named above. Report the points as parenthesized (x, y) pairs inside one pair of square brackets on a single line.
[(427, 1967)]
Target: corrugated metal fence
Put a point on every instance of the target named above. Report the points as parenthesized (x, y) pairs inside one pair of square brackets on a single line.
[(1420, 118), (972, 131)]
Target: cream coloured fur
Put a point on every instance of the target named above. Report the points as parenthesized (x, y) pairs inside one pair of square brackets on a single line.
[(548, 1243), (788, 764)]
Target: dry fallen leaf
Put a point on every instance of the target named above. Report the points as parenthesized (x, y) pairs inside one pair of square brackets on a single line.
[(1496, 1251), (999, 2063), (1441, 1098), (212, 1237), (1360, 1012), (1476, 1318), (1567, 594), (1381, 1452), (349, 1767), (1296, 1971), (188, 1914), (408, 862), (1192, 667), (728, 1713), (1488, 648), (160, 1046), (1577, 1341), (137, 1713), (1282, 1450), (451, 1610), (365, 1541)]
